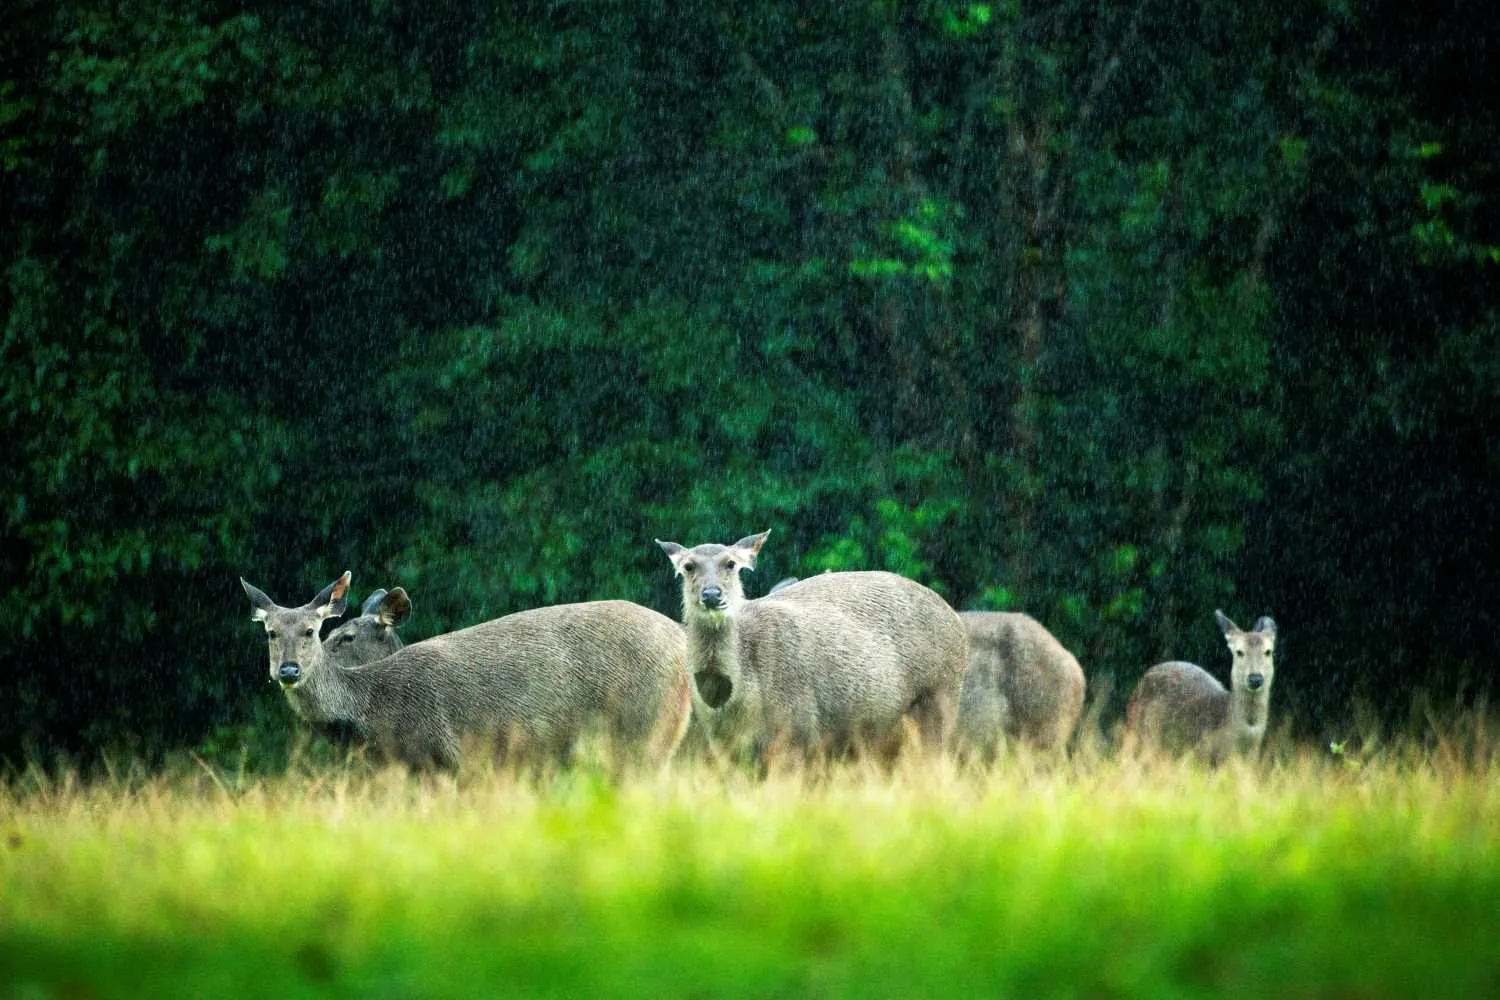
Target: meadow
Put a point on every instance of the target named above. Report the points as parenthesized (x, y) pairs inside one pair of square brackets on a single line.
[(1368, 874)]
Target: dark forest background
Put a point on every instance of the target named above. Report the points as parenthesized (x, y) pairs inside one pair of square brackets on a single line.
[(1112, 313)]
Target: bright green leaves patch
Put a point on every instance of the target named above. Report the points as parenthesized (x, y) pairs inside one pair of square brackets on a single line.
[(800, 135), (924, 250), (966, 20)]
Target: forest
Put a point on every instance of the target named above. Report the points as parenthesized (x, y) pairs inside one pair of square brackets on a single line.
[(1114, 314)]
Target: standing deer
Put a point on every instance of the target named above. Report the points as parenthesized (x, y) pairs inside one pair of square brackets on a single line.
[(832, 664), (1180, 706), (531, 683), (1021, 684), (369, 636)]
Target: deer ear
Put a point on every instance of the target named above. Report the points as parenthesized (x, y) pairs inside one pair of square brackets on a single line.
[(263, 604), (1225, 625), (749, 546), (331, 599), (372, 603), (1265, 624), (395, 608), (672, 549)]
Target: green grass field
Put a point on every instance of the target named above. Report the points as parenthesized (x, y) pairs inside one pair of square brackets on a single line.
[(1306, 876)]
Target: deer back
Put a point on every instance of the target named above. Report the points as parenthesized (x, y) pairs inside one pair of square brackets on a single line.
[(928, 640), (1177, 705), (1020, 681), (547, 675), (815, 675)]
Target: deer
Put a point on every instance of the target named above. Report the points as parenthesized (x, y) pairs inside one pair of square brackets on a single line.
[(372, 634), (1021, 684), (530, 684), (830, 666), (1179, 706)]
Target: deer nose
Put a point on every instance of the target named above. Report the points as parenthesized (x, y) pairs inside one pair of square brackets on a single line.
[(712, 597), (1254, 681), (289, 673)]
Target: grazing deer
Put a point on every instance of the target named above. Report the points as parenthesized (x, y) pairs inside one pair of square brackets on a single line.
[(831, 664), (1021, 684), (1179, 706), (531, 683)]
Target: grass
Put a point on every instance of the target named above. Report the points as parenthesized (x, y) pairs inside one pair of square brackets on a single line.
[(1306, 876)]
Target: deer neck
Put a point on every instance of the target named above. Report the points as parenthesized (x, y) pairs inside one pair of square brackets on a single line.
[(1248, 714), (332, 695), (713, 644)]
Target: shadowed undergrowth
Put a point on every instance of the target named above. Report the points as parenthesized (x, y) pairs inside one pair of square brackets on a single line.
[(1309, 876)]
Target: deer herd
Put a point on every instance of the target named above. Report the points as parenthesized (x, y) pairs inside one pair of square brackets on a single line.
[(851, 664)]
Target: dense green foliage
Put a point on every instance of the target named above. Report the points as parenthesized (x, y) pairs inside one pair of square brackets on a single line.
[(1114, 315), (1306, 880)]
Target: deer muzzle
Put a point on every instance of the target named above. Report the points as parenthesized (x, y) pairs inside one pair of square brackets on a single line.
[(1254, 681), (712, 598), (289, 674)]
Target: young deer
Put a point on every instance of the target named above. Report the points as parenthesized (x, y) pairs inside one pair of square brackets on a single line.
[(531, 683), (1179, 706), (1021, 684), (372, 635), (831, 664)]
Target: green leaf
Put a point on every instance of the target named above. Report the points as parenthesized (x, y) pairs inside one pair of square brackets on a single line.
[(1435, 196), (800, 135), (878, 268), (1293, 150), (1124, 559)]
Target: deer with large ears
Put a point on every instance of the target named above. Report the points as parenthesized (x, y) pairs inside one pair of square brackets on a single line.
[(1179, 706), (828, 665), (364, 638), (530, 685)]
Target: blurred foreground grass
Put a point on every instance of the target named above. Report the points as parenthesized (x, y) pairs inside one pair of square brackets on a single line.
[(1308, 876)]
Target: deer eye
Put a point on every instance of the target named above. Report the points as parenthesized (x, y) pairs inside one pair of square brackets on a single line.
[(729, 566), (309, 632), (346, 638), (272, 634), (689, 567), (1239, 652)]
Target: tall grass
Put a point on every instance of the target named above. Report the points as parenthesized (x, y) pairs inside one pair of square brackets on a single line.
[(1369, 873)]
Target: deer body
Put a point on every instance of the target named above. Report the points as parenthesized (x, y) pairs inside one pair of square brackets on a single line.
[(1179, 706), (824, 665), (531, 683), (842, 705), (1021, 684)]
